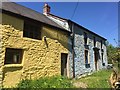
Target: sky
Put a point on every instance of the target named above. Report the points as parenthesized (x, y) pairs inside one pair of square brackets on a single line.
[(99, 17)]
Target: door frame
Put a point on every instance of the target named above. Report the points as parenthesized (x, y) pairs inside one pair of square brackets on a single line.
[(67, 65)]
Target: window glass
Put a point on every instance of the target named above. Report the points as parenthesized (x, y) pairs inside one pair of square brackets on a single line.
[(85, 38), (86, 56), (13, 56), (31, 31)]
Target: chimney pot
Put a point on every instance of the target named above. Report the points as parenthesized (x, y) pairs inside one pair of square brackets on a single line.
[(46, 9)]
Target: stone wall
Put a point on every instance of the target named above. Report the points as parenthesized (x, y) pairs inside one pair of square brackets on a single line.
[(79, 48), (38, 60)]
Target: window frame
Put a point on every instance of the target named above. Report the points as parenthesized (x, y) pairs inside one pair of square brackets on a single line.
[(10, 54), (87, 65), (85, 38), (102, 57), (101, 44), (94, 41), (29, 30)]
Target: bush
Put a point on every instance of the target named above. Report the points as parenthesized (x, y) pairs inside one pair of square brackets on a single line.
[(46, 82)]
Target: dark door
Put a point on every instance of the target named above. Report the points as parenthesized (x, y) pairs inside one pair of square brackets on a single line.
[(64, 64), (96, 59)]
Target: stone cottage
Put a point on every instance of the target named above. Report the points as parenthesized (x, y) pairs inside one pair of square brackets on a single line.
[(88, 48), (34, 45)]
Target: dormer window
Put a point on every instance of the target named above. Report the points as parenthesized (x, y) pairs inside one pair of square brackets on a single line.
[(31, 31), (85, 38)]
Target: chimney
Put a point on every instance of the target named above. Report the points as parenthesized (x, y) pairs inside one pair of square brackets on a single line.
[(46, 9)]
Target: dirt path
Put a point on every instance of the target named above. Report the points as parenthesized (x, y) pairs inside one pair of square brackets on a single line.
[(79, 84)]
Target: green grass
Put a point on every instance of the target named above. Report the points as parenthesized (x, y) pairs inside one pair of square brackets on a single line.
[(98, 79), (46, 82)]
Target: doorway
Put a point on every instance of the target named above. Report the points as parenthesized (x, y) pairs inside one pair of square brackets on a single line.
[(96, 59), (64, 64)]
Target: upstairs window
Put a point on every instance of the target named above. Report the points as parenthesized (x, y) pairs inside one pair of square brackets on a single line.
[(31, 31), (94, 41), (85, 38), (13, 56), (101, 44), (102, 59)]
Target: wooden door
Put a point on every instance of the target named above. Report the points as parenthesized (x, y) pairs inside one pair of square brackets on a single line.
[(64, 64)]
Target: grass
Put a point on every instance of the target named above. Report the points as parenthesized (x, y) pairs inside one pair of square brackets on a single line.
[(46, 82), (98, 79)]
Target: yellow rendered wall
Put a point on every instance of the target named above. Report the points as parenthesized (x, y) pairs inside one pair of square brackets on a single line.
[(38, 59)]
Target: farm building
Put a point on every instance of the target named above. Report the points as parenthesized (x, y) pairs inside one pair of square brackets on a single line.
[(35, 45)]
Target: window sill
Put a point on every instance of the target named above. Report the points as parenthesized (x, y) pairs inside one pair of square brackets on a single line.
[(13, 65)]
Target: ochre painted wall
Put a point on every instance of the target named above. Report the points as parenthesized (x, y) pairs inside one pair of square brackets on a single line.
[(38, 59)]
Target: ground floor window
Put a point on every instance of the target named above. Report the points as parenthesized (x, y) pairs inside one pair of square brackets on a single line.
[(102, 59), (13, 56), (87, 65)]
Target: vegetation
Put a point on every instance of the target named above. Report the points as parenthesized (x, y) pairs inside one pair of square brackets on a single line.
[(46, 82), (97, 80), (113, 53)]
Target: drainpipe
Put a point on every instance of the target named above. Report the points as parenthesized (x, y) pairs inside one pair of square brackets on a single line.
[(73, 53)]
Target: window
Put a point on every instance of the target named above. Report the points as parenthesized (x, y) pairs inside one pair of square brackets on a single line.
[(13, 56), (102, 59), (101, 44), (94, 41), (31, 31), (87, 65), (86, 56), (85, 38)]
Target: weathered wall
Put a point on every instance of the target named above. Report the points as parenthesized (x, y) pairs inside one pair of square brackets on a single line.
[(15, 22), (65, 25), (38, 60), (59, 35), (79, 48)]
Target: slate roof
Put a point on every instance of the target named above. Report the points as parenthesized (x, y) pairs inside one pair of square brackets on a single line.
[(29, 13)]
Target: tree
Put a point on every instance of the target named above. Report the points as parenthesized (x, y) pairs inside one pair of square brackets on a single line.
[(111, 52)]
